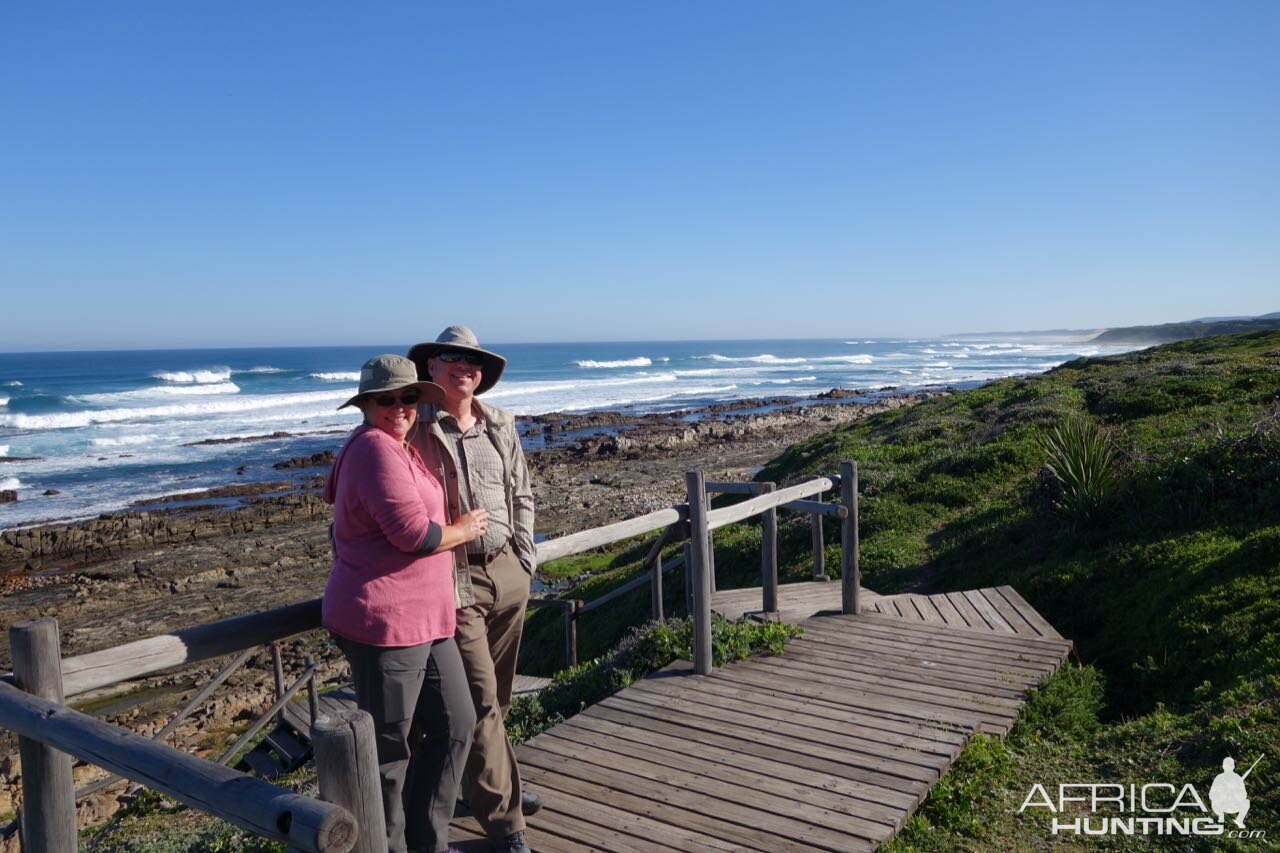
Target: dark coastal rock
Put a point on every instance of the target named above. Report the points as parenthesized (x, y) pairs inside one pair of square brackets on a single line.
[(8, 496), (312, 461), (240, 440), (50, 492), (21, 458), (840, 394)]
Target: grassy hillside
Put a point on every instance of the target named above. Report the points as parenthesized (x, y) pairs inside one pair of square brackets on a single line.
[(1191, 329), (1163, 563)]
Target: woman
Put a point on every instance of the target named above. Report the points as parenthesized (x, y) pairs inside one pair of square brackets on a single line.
[(390, 604)]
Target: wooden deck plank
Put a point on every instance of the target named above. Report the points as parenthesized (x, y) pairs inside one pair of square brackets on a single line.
[(716, 707), (1005, 668), (1013, 665), (745, 741), (818, 716), (992, 616), (1024, 608), (1006, 644), (1008, 612), (971, 617), (772, 795), (588, 789), (966, 706), (950, 615), (922, 665), (835, 793), (879, 768), (917, 683), (663, 836), (668, 787)]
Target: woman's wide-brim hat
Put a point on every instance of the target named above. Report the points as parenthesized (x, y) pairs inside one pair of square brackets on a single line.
[(462, 339), (390, 372)]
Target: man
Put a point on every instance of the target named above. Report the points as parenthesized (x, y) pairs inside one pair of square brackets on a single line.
[(475, 449)]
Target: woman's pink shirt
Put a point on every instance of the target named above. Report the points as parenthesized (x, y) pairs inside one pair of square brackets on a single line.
[(381, 592)]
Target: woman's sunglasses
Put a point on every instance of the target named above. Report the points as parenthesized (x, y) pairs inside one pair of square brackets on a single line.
[(452, 356), (409, 398)]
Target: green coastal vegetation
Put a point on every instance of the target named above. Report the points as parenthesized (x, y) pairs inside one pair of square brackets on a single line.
[(1167, 332), (1134, 500)]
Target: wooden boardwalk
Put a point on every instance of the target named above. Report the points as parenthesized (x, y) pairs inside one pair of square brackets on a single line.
[(999, 609), (830, 746)]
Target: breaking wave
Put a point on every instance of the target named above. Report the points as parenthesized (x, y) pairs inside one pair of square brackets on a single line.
[(160, 392), (765, 358), (641, 361), (344, 376), (216, 374)]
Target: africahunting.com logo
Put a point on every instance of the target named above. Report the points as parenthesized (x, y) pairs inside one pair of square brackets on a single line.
[(1156, 808)]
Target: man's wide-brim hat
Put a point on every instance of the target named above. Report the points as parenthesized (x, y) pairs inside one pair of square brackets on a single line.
[(462, 339), (385, 373)]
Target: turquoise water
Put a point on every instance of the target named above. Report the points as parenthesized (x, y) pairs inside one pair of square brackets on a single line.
[(110, 428)]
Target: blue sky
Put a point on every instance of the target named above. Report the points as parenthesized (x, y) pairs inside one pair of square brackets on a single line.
[(227, 173)]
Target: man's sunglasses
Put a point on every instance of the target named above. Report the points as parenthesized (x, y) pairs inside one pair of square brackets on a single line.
[(409, 398), (453, 356)]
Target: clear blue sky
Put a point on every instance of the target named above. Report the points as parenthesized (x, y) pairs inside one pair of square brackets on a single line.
[(250, 173)]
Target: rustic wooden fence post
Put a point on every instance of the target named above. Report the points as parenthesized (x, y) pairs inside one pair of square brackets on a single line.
[(769, 552), (571, 631), (48, 794), (850, 581), (819, 548), (655, 588), (700, 540), (347, 765), (688, 578)]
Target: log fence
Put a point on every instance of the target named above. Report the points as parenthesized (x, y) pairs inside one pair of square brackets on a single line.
[(32, 699)]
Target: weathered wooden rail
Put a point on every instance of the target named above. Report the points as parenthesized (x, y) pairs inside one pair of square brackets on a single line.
[(32, 699)]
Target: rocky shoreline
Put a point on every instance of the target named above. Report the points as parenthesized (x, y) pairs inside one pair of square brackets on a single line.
[(248, 548)]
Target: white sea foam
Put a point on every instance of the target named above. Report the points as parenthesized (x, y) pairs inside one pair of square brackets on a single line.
[(123, 440), (13, 384), (4, 401), (846, 359), (262, 370), (213, 374), (239, 405), (765, 358), (640, 361), (9, 483), (346, 376), (4, 450), (160, 392)]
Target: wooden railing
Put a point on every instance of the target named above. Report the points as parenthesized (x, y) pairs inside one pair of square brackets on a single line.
[(32, 698)]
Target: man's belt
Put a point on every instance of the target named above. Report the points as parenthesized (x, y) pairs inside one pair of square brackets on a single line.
[(485, 559)]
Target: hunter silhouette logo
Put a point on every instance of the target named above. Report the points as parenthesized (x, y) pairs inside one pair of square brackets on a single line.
[(1227, 794), (1153, 808)]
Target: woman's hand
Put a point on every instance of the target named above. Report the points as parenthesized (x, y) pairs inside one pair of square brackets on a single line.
[(469, 526), (473, 524)]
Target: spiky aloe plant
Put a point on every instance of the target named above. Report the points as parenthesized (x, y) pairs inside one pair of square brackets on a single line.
[(1081, 457)]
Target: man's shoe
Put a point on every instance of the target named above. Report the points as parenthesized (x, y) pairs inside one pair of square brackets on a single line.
[(513, 843), (530, 803)]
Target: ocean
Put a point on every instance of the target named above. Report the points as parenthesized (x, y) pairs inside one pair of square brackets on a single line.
[(98, 431)]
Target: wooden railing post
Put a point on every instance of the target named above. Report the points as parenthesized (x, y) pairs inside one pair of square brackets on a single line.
[(571, 631), (769, 553), (819, 548), (347, 766), (850, 581), (48, 793), (655, 588), (688, 578), (700, 540)]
